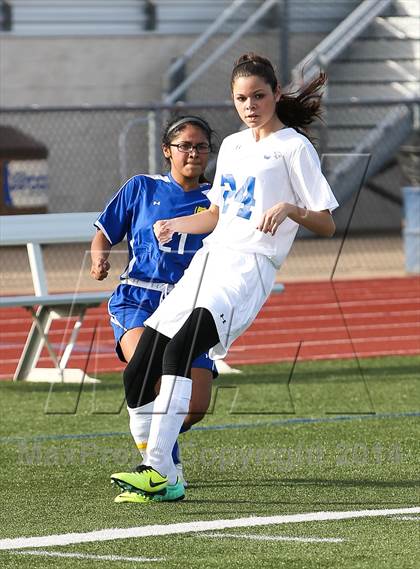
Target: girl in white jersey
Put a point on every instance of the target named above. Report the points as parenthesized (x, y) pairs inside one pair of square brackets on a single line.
[(268, 181)]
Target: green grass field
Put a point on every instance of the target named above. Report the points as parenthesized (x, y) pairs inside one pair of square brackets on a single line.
[(329, 437)]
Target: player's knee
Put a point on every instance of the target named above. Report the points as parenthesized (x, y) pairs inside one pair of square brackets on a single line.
[(138, 389)]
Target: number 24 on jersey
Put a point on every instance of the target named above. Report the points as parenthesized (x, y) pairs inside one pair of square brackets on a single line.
[(243, 195)]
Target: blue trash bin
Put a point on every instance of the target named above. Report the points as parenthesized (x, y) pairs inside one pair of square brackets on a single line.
[(411, 231)]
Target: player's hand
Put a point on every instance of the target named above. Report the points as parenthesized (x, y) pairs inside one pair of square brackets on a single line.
[(99, 269), (163, 230), (273, 217)]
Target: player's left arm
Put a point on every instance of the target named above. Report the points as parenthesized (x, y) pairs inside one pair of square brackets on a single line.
[(311, 188), (320, 222)]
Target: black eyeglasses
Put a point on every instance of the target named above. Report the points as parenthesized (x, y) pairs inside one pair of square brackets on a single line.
[(201, 147)]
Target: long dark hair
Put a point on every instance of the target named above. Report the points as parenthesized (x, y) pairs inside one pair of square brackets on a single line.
[(178, 123), (297, 109)]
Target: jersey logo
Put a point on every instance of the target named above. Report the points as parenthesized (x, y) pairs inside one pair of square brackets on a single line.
[(155, 202), (222, 316), (199, 208)]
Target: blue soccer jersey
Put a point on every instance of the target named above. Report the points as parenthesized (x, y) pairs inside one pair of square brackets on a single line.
[(142, 201)]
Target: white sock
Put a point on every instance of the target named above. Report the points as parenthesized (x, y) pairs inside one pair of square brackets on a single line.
[(140, 421), (171, 406)]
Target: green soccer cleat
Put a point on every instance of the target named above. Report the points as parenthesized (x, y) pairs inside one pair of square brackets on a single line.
[(144, 478), (134, 498), (172, 493)]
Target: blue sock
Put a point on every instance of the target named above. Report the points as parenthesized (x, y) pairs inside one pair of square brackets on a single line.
[(175, 453)]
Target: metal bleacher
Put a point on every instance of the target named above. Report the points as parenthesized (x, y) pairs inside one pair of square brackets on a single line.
[(370, 51), (194, 16), (79, 17), (378, 66), (85, 17)]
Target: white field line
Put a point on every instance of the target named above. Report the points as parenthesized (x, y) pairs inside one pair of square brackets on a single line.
[(275, 537), (192, 527), (44, 553)]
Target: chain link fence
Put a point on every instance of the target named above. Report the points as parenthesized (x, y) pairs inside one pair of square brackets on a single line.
[(92, 151)]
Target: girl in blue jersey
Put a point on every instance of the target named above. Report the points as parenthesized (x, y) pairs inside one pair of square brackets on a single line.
[(268, 182), (153, 268)]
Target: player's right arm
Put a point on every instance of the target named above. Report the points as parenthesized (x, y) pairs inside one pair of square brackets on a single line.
[(202, 222), (112, 225), (99, 253)]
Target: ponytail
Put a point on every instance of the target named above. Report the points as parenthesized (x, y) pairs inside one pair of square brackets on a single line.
[(298, 109)]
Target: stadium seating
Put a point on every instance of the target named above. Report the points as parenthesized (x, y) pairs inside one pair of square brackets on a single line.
[(79, 17), (45, 17), (194, 16), (381, 64)]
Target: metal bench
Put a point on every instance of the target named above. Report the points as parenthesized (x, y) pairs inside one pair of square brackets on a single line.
[(34, 231)]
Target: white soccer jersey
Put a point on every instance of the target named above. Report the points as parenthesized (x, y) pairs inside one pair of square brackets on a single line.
[(252, 176), (233, 274)]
